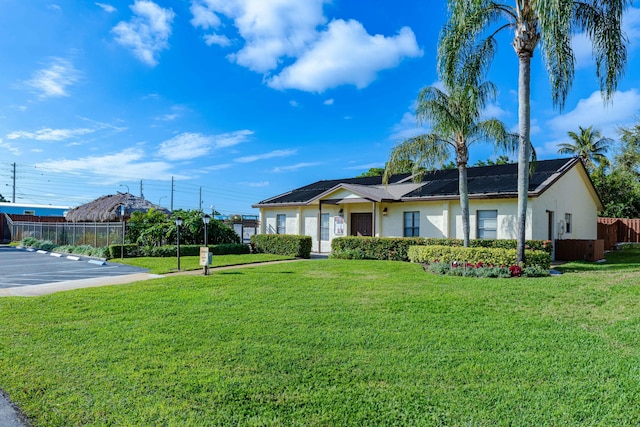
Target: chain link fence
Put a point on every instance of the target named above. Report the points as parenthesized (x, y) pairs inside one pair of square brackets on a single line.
[(96, 234)]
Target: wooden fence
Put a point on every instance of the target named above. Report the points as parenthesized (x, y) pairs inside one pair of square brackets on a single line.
[(618, 230), (574, 250)]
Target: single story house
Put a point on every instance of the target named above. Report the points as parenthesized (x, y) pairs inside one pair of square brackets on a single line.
[(562, 204)]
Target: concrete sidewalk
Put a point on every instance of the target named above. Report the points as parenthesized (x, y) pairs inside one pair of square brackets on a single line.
[(10, 415)]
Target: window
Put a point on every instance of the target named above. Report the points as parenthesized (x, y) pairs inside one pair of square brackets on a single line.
[(567, 223), (281, 224), (411, 224), (487, 224), (324, 226)]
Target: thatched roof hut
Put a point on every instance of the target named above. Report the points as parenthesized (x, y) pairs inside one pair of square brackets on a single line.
[(107, 208)]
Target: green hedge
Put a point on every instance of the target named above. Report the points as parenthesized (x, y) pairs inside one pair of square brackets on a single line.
[(283, 244), (490, 256), (396, 248), (133, 250)]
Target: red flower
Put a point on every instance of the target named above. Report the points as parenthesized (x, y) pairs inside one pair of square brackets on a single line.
[(515, 270)]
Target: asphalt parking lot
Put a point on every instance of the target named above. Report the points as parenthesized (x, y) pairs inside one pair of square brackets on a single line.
[(22, 267)]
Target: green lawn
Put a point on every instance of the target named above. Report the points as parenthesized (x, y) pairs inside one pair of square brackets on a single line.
[(170, 264), (331, 343)]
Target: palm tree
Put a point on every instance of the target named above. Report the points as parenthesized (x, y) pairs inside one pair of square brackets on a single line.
[(456, 124), (589, 145), (550, 24)]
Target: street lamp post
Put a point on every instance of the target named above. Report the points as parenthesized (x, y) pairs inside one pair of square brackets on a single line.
[(178, 224), (206, 218), (125, 185), (123, 229), (160, 201)]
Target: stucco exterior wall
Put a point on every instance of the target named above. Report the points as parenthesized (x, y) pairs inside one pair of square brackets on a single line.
[(570, 194)]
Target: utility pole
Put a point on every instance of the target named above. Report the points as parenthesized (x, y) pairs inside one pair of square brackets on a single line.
[(141, 195), (14, 182), (172, 188)]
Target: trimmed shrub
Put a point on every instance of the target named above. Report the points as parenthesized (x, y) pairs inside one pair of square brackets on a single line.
[(475, 256), (396, 248), (130, 250), (283, 244), (229, 249)]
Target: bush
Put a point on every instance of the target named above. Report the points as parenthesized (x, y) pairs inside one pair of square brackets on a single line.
[(283, 244), (396, 248), (130, 250), (229, 249), (475, 256)]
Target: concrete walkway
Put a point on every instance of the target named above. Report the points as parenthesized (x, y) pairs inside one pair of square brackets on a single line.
[(10, 415)]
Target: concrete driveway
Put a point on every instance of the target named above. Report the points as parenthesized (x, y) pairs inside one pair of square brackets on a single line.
[(28, 272)]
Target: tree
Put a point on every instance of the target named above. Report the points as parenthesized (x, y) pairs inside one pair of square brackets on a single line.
[(456, 124), (629, 157), (406, 167), (589, 145), (619, 192), (2, 199), (552, 25), (500, 160)]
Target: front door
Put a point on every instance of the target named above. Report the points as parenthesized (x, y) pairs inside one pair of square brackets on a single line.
[(361, 224)]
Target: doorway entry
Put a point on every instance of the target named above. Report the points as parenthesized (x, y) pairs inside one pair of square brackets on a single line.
[(361, 224)]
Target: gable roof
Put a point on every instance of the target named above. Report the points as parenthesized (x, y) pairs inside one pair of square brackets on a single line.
[(497, 181)]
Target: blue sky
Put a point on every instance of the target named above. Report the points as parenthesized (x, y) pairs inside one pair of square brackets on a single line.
[(241, 100)]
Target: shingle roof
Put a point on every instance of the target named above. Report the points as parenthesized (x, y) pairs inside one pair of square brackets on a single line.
[(497, 180)]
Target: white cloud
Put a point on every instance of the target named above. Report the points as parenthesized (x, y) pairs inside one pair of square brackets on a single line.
[(323, 56), (148, 31), (186, 146), (493, 111), (255, 184), (270, 155), (406, 128), (271, 29), (328, 102), (112, 168), (294, 103), (48, 134), (631, 24), (11, 148), (203, 17), (190, 145), (219, 40), (230, 139), (54, 79), (592, 111), (346, 54), (295, 167), (107, 7)]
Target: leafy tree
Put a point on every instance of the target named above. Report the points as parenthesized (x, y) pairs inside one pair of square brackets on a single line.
[(406, 166), (455, 119), (589, 145), (372, 172), (154, 228), (619, 192), (550, 24), (629, 157), (501, 160)]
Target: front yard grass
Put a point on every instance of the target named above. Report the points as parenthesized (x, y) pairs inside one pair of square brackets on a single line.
[(170, 264), (331, 342)]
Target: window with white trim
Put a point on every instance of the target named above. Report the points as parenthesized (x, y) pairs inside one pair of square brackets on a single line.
[(567, 223), (487, 224), (281, 224), (411, 224)]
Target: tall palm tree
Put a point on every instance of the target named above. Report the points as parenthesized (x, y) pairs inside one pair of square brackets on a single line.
[(455, 116), (589, 145), (550, 24)]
